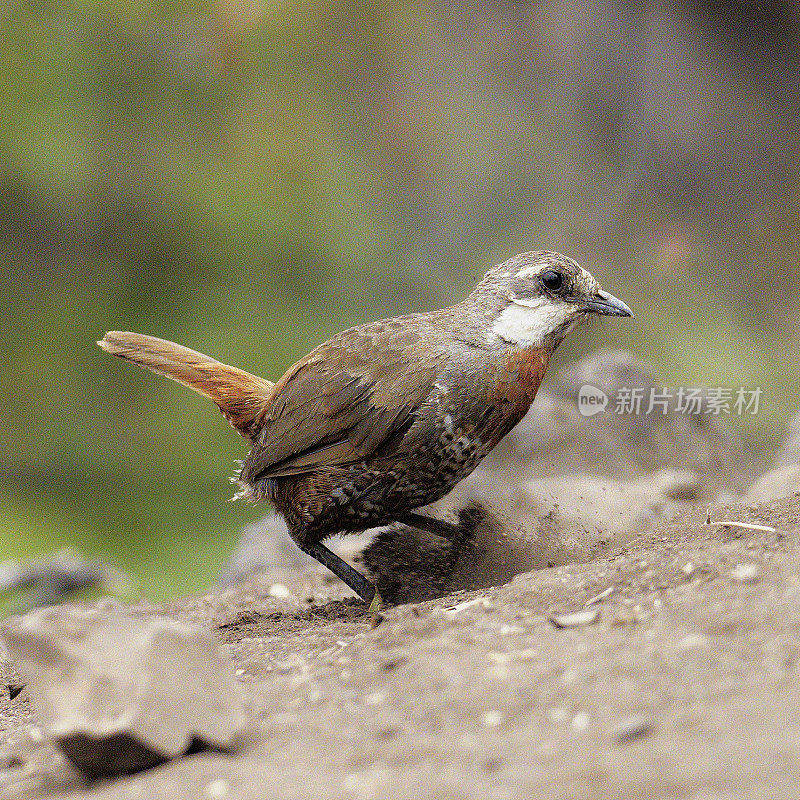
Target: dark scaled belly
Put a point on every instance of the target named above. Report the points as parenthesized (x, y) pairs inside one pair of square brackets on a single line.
[(372, 493)]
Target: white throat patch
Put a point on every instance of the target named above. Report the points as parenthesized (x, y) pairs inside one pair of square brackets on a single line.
[(527, 323)]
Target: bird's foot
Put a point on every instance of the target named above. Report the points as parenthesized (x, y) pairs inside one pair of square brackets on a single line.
[(376, 604)]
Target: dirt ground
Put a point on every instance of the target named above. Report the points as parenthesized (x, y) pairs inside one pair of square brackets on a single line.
[(685, 686)]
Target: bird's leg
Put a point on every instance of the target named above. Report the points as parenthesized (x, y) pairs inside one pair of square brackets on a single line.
[(342, 570), (447, 530)]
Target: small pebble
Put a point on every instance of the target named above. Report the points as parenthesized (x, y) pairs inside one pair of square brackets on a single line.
[(477, 601), (217, 790), (580, 722), (577, 619), (569, 676), (279, 591), (693, 640), (14, 689), (635, 727), (745, 573), (505, 629), (493, 719)]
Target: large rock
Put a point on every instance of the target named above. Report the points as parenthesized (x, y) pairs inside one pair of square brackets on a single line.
[(555, 438), (784, 479), (120, 694), (49, 580), (789, 452), (779, 482), (620, 509)]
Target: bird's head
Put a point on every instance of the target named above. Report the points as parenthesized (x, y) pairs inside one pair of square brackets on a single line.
[(539, 297)]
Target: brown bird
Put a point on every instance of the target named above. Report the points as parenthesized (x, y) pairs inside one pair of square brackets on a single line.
[(386, 418)]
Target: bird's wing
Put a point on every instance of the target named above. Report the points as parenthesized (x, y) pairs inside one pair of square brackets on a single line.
[(343, 401)]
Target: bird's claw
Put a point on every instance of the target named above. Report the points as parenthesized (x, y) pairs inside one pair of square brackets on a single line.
[(376, 604)]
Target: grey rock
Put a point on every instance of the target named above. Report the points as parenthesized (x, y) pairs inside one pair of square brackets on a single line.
[(576, 619), (619, 508), (264, 545), (556, 439), (120, 694), (789, 452), (780, 482), (607, 369), (636, 727), (48, 580), (614, 508)]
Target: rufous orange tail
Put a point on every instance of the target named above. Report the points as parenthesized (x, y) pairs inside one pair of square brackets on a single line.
[(240, 396)]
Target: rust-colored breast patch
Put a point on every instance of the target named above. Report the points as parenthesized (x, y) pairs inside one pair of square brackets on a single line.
[(517, 381)]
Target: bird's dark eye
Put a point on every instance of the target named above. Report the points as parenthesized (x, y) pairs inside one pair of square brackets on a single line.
[(552, 280)]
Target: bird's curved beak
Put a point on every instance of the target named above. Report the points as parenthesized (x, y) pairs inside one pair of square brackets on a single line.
[(605, 303)]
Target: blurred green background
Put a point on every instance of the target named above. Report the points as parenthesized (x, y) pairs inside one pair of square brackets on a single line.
[(248, 177)]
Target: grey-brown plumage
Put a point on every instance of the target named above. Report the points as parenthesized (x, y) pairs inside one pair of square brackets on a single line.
[(387, 417)]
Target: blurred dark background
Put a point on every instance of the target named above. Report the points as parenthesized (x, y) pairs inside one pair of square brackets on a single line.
[(248, 177)]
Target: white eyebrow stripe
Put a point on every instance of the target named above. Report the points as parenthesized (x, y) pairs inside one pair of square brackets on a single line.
[(535, 269), (529, 272)]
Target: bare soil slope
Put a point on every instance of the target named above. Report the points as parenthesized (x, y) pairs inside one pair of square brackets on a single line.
[(686, 685)]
